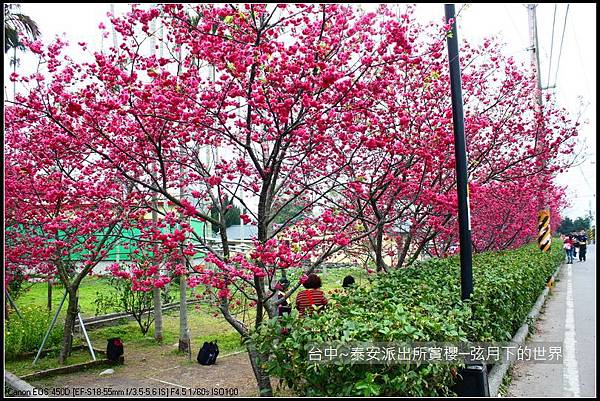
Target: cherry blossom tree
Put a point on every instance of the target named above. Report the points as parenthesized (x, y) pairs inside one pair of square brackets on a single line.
[(343, 115), (410, 167), (62, 215), (273, 113)]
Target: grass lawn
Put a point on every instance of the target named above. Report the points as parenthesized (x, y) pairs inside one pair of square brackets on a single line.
[(37, 295), (332, 279), (203, 325)]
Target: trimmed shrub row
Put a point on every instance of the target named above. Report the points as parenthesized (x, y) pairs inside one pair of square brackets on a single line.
[(418, 304)]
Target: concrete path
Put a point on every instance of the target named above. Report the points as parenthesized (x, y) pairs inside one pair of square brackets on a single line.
[(569, 316)]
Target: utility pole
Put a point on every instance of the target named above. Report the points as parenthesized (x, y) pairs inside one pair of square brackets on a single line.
[(464, 219), (535, 54), (114, 33), (544, 238)]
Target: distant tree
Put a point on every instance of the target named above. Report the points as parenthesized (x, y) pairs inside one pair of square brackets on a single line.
[(581, 223), (232, 215), (15, 25), (566, 226), (292, 211)]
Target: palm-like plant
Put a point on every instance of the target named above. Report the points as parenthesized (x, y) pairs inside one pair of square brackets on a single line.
[(16, 24)]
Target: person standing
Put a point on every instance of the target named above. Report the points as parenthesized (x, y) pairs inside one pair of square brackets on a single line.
[(568, 246), (582, 240)]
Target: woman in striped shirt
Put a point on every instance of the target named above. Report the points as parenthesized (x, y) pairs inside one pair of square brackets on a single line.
[(311, 297)]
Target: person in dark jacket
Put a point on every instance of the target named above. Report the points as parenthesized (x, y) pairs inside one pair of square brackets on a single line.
[(582, 241)]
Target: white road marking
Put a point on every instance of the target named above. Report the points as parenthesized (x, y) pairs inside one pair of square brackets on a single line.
[(170, 384), (163, 370), (570, 370)]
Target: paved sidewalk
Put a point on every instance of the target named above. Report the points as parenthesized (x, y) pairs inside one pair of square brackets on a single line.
[(569, 316)]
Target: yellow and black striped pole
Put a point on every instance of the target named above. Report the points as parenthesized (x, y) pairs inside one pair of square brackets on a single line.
[(544, 235)]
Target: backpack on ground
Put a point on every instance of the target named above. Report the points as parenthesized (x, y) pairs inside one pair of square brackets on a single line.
[(208, 353), (114, 349)]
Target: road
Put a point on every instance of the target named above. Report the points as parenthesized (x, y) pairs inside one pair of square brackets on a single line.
[(569, 316)]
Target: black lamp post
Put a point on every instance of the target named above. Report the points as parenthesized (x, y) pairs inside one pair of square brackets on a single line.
[(474, 376), (464, 220)]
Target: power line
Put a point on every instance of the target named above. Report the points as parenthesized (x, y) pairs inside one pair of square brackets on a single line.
[(513, 23), (581, 63), (585, 179), (551, 47), (561, 44)]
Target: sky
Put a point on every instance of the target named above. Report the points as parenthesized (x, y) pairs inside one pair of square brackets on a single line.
[(575, 78)]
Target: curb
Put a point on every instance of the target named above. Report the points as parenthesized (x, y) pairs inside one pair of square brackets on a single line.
[(17, 387), (70, 369), (499, 370)]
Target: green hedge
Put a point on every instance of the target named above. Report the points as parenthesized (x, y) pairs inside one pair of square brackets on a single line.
[(418, 304)]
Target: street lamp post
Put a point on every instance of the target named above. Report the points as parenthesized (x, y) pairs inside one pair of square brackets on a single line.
[(474, 380), (464, 220)]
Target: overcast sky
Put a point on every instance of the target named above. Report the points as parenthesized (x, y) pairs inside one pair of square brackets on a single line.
[(576, 75)]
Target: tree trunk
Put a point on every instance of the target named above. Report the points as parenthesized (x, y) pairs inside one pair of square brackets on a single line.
[(379, 262), (69, 325), (184, 338), (6, 308), (399, 246), (405, 249), (262, 377), (156, 291), (157, 315), (49, 295)]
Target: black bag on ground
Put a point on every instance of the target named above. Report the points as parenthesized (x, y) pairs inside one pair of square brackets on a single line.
[(114, 349), (208, 353)]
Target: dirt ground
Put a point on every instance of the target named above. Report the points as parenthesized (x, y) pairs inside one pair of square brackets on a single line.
[(164, 375)]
